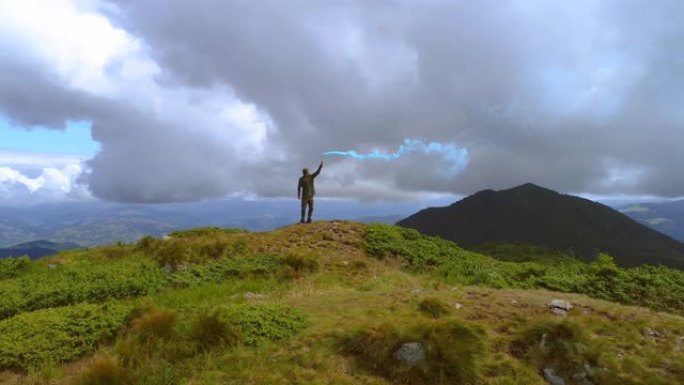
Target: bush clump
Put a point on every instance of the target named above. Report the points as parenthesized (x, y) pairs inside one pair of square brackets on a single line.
[(206, 232), (103, 370), (154, 324), (434, 307), (301, 262), (454, 352), (189, 249), (79, 282), (562, 346), (58, 334), (256, 324), (261, 265), (210, 329), (11, 267)]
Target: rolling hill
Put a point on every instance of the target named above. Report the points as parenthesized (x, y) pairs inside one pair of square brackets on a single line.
[(333, 303), (37, 249), (535, 215)]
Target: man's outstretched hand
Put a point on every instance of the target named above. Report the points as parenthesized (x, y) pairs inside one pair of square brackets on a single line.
[(321, 165)]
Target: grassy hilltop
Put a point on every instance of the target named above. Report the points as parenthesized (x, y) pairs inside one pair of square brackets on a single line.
[(333, 303)]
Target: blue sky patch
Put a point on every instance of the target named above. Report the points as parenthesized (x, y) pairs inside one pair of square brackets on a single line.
[(75, 139)]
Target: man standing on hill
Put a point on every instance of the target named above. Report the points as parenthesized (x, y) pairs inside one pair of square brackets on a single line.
[(306, 191)]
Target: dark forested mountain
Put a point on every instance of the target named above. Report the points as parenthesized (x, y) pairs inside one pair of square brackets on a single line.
[(535, 215)]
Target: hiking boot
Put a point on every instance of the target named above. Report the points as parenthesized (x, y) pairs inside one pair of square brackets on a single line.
[(308, 220), (302, 220)]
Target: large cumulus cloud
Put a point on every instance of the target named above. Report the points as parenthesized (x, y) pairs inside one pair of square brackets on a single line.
[(236, 96)]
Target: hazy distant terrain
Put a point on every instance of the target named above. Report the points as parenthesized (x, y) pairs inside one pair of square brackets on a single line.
[(97, 223), (666, 217), (36, 249)]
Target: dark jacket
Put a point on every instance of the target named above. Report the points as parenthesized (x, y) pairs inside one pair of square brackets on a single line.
[(306, 185)]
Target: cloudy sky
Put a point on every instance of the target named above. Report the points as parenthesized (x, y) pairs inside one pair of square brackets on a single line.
[(175, 100)]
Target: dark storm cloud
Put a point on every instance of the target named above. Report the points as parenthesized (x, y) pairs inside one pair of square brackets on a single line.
[(581, 96)]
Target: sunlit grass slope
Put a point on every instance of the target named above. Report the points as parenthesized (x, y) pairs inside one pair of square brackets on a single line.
[(332, 303)]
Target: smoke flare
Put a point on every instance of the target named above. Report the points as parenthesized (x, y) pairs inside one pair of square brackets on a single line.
[(458, 156)]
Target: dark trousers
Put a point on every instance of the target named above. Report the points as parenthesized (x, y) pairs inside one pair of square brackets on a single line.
[(310, 203)]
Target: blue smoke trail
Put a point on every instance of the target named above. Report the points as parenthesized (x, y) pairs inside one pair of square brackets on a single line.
[(458, 156)]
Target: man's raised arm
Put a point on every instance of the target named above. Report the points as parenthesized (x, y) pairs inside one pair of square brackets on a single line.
[(320, 166)]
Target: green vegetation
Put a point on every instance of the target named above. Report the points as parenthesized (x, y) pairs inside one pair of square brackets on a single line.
[(11, 267), (205, 232), (222, 269), (257, 324), (658, 288), (58, 334), (562, 346), (453, 352), (42, 287), (332, 303), (434, 307)]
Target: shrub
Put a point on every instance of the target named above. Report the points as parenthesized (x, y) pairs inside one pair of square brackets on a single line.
[(206, 232), (301, 262), (563, 346), (11, 267), (148, 245), (209, 329), (103, 370), (256, 324), (374, 347), (154, 324), (58, 334), (79, 282), (434, 307), (454, 352), (217, 271), (172, 252)]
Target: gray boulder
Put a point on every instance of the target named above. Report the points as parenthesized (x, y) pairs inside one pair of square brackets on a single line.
[(552, 377), (410, 353), (559, 306)]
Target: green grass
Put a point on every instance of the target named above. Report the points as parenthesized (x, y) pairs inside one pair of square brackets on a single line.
[(454, 352), (206, 232), (659, 288)]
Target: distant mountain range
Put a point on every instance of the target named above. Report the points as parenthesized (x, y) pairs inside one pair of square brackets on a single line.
[(666, 217), (535, 215), (96, 223), (37, 249)]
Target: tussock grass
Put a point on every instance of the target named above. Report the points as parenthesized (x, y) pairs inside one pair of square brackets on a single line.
[(453, 352), (103, 370), (563, 346), (209, 330), (434, 307)]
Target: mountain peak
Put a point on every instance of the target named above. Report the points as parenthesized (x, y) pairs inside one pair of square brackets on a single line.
[(536, 215), (528, 189)]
